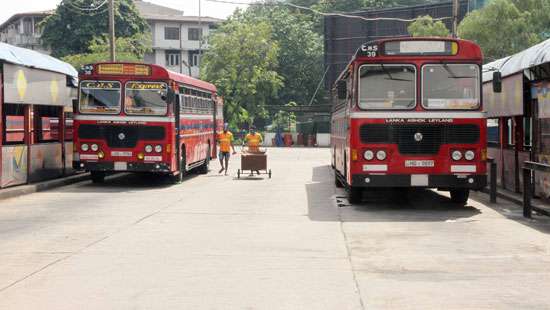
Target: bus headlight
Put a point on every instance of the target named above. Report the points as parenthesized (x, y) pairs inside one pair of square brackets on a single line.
[(85, 147), (456, 155), (95, 147), (469, 155), (368, 155), (381, 155), (158, 148), (148, 148), (100, 155)]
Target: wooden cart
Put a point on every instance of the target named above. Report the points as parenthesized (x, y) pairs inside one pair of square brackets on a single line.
[(255, 162)]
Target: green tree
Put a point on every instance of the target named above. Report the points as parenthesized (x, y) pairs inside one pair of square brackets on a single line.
[(425, 26), (300, 57), (81, 26), (540, 15), (242, 63), (500, 28), (128, 49)]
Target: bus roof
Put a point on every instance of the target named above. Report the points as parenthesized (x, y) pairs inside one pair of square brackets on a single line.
[(157, 72), (465, 48)]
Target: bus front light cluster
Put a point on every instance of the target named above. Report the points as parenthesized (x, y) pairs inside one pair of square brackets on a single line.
[(469, 155), (368, 155), (456, 155), (94, 147), (158, 148), (148, 148), (381, 155), (85, 147)]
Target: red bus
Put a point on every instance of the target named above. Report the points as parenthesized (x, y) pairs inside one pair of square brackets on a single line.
[(408, 112), (144, 118)]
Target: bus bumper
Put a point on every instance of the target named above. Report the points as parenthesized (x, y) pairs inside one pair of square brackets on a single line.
[(129, 167), (474, 182)]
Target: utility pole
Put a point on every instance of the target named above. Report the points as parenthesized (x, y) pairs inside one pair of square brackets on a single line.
[(455, 17), (200, 34), (112, 47)]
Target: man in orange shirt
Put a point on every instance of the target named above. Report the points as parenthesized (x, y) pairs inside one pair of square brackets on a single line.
[(225, 140)]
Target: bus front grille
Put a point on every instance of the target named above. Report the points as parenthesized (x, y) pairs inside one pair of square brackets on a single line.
[(120, 136), (419, 139)]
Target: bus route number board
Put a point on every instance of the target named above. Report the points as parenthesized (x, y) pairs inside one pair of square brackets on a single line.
[(419, 163)]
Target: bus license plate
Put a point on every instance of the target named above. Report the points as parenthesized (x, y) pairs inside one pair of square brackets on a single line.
[(419, 163), (121, 166)]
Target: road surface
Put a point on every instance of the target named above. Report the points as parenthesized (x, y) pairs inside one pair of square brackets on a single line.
[(292, 242)]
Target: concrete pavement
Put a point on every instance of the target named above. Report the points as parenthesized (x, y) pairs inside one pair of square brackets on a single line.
[(215, 242)]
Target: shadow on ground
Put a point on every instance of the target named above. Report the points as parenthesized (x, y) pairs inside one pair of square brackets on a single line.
[(514, 212), (328, 203), (128, 182)]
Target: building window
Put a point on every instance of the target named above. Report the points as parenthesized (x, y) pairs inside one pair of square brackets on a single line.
[(510, 126), (171, 33), (493, 131), (27, 26), (172, 58), (527, 132), (194, 34), (194, 58)]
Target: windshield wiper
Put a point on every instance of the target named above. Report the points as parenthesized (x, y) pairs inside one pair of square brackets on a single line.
[(388, 73)]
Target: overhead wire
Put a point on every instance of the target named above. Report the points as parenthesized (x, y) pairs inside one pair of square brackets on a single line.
[(277, 3)]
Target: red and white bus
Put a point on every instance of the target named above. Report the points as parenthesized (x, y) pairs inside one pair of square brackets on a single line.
[(408, 112), (144, 118)]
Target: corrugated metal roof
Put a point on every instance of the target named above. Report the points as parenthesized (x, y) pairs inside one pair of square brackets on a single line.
[(29, 58), (534, 56)]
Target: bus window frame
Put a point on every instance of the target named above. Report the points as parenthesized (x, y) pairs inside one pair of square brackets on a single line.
[(146, 82), (480, 86), (120, 109), (358, 84)]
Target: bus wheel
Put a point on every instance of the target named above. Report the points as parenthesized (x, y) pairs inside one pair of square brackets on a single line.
[(355, 194), (97, 176), (337, 181), (460, 195), (203, 169)]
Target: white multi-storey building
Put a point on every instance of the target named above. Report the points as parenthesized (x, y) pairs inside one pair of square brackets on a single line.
[(22, 30), (176, 38)]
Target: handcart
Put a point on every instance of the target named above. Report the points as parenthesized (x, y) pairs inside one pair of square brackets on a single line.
[(255, 162)]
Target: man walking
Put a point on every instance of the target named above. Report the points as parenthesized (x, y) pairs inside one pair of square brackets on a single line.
[(225, 140), (253, 140)]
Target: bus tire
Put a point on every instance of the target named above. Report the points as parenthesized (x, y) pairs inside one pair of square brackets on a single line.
[(203, 169), (460, 195), (337, 181), (97, 176), (355, 194)]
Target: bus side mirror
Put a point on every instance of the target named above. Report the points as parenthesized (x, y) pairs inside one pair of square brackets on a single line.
[(75, 105), (497, 82), (342, 89)]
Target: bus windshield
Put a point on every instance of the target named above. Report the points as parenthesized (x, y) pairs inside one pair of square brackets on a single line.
[(450, 86), (387, 86), (99, 97), (146, 98)]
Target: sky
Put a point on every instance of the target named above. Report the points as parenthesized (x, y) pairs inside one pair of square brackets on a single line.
[(190, 7)]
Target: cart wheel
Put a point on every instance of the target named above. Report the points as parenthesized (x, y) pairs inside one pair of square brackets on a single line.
[(239, 174), (269, 173)]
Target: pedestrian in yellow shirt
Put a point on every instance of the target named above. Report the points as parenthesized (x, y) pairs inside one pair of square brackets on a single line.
[(225, 140), (253, 141)]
